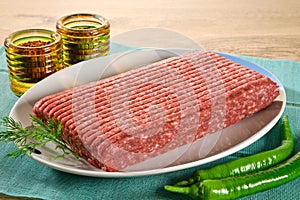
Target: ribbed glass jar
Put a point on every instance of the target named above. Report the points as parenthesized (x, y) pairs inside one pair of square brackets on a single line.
[(32, 55), (84, 36)]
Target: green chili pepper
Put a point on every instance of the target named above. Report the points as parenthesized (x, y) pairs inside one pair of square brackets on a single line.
[(240, 186), (249, 164)]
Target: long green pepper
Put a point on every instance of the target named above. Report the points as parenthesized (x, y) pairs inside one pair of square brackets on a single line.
[(252, 163), (206, 184), (236, 187)]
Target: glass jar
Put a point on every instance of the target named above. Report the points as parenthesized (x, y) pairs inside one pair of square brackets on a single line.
[(32, 55), (84, 36)]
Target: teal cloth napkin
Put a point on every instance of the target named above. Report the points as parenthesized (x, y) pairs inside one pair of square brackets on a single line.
[(28, 178)]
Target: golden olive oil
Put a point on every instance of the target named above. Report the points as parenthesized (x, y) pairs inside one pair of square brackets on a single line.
[(84, 36), (32, 55)]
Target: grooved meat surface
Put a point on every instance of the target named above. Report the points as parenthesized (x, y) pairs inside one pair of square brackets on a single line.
[(128, 118)]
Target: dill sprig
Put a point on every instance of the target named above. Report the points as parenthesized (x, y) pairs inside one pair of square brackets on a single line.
[(28, 139)]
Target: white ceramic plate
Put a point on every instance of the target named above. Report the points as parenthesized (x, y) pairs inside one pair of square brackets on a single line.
[(213, 146)]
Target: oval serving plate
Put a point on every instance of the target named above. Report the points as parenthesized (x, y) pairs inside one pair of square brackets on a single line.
[(225, 142)]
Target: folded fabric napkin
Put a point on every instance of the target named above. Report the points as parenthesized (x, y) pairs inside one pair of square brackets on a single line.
[(28, 178)]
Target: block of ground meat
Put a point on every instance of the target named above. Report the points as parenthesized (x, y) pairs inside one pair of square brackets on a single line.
[(125, 119)]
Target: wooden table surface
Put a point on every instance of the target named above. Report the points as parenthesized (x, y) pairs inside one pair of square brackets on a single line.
[(269, 28)]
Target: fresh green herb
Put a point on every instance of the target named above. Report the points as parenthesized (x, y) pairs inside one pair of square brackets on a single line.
[(28, 139), (252, 163)]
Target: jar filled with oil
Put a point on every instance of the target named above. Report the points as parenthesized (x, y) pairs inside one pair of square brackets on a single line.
[(84, 36), (32, 55)]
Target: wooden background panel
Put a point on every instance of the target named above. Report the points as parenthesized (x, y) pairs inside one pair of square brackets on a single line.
[(269, 28)]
